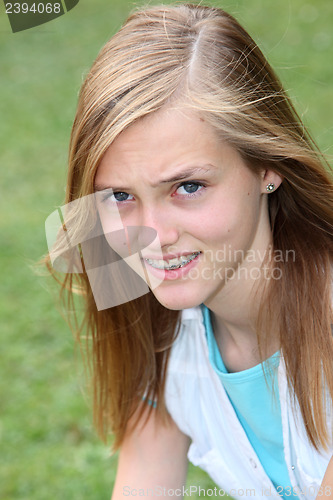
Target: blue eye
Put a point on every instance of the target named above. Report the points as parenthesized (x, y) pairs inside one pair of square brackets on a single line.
[(118, 197), (190, 188)]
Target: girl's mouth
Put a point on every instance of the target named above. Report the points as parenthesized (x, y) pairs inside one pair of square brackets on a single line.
[(171, 264)]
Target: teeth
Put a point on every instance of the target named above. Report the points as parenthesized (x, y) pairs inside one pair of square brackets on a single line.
[(172, 263)]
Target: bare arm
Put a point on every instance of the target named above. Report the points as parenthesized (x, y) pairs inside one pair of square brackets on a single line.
[(153, 456), (326, 489)]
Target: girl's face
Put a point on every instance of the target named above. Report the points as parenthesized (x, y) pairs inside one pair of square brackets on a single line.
[(170, 172)]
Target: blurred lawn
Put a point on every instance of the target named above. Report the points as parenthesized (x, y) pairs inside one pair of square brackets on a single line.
[(48, 447)]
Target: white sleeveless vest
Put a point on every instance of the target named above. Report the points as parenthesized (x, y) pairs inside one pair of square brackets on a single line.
[(201, 408)]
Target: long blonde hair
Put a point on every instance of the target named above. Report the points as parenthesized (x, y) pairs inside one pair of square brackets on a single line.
[(201, 58)]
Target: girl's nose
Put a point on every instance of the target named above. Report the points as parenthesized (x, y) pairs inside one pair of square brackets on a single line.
[(163, 222)]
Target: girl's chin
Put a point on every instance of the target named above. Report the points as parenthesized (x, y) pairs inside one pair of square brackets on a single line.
[(177, 301)]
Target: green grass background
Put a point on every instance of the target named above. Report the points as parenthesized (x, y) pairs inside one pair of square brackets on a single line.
[(48, 448)]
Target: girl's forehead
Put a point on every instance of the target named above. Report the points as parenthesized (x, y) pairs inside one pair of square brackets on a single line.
[(165, 132), (166, 145)]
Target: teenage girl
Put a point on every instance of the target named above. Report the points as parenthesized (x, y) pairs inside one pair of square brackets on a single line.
[(183, 128)]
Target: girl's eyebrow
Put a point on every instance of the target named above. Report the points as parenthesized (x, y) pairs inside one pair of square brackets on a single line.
[(179, 176), (104, 187), (186, 173)]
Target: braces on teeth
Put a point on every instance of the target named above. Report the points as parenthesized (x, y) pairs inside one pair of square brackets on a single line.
[(172, 263)]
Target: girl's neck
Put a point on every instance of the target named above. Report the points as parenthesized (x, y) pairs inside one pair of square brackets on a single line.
[(234, 312)]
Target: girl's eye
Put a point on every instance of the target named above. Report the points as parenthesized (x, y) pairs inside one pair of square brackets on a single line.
[(118, 197), (188, 188)]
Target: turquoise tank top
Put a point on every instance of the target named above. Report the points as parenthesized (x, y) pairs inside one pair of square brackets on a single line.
[(254, 394)]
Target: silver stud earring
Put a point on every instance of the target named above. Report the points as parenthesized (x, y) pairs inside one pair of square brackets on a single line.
[(270, 187)]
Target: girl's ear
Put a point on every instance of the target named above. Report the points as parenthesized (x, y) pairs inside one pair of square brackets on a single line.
[(270, 181)]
